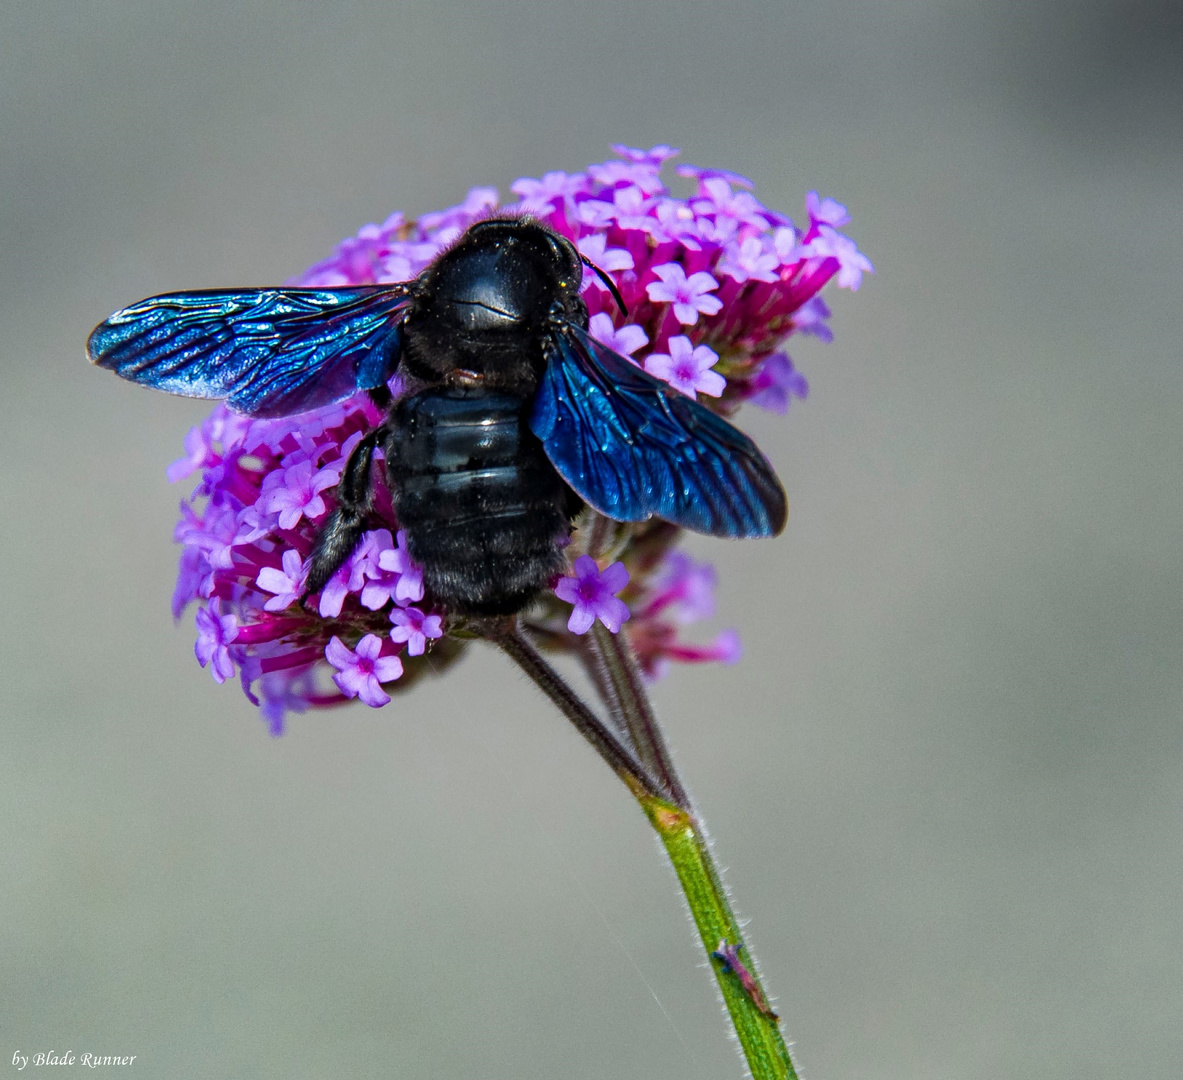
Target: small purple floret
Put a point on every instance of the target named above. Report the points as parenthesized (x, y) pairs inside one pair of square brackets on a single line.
[(777, 382), (287, 584), (378, 585), (852, 263), (685, 585), (214, 634), (594, 246), (409, 586), (688, 295), (825, 211), (732, 210), (332, 596), (299, 494), (537, 195), (593, 592), (626, 340), (655, 156), (414, 627), (727, 647), (811, 319), (687, 368), (280, 694), (750, 260), (361, 673), (199, 453)]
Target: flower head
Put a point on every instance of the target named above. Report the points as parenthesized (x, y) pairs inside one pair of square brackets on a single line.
[(714, 284)]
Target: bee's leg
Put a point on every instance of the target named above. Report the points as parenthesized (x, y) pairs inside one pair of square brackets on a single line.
[(342, 529), (381, 396)]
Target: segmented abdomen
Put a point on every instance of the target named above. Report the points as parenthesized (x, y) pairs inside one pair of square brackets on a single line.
[(484, 510)]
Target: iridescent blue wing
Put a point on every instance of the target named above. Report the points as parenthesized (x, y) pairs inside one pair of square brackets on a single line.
[(633, 447), (268, 352)]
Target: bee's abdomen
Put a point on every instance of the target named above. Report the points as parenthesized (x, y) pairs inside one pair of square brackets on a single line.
[(484, 510)]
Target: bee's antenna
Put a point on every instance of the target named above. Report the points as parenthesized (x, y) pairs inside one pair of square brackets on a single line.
[(608, 282)]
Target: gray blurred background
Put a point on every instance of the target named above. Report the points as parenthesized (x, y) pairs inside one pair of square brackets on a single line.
[(947, 776)]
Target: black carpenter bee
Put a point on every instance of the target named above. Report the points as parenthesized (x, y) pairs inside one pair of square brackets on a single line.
[(514, 416)]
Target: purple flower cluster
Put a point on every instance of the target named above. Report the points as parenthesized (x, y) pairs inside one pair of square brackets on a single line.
[(714, 284)]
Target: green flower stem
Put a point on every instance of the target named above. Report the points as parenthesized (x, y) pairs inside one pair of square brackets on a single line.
[(685, 842), (647, 770), (757, 1028)]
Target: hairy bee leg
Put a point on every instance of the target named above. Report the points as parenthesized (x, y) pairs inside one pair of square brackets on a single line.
[(381, 396), (339, 535)]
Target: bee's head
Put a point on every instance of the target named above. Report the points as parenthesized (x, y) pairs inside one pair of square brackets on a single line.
[(487, 303), (517, 247), (568, 262)]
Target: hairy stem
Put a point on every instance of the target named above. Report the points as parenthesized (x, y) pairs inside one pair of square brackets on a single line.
[(619, 758), (601, 679), (651, 777), (629, 692), (756, 1025)]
